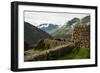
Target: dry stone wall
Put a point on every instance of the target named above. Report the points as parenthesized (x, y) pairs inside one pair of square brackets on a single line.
[(50, 54), (81, 35)]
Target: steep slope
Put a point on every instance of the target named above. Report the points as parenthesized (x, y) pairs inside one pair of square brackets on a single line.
[(32, 34), (85, 19), (66, 30), (73, 21), (62, 33), (81, 33)]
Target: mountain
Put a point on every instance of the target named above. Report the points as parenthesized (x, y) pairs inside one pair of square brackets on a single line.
[(85, 20), (66, 30), (62, 33), (32, 34), (81, 33), (48, 27), (73, 21)]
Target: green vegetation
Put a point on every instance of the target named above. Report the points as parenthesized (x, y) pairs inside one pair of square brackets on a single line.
[(32, 35), (71, 52), (62, 33), (79, 53), (58, 44), (49, 44)]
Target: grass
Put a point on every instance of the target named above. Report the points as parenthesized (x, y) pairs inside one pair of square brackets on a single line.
[(75, 53), (83, 53), (79, 53), (62, 33)]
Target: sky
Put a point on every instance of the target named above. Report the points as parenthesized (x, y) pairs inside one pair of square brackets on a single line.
[(37, 18)]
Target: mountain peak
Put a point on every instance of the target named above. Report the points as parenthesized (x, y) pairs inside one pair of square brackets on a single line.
[(47, 27), (43, 25), (73, 21)]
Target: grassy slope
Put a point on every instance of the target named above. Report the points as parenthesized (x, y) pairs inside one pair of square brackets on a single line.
[(76, 53), (61, 33), (32, 34), (81, 53)]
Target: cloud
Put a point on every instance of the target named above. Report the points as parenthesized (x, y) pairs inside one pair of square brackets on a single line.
[(37, 18)]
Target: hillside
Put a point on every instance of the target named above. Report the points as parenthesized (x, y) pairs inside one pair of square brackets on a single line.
[(49, 43), (62, 33), (66, 30), (81, 33), (85, 19), (72, 21), (32, 34), (69, 42)]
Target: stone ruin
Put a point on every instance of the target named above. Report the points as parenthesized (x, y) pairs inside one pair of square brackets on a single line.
[(81, 36)]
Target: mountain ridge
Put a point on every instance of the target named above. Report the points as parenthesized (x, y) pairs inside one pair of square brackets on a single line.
[(32, 34)]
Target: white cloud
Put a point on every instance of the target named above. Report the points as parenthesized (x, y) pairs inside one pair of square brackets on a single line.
[(37, 18)]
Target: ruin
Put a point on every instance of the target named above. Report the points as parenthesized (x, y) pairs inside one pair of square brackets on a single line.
[(81, 35)]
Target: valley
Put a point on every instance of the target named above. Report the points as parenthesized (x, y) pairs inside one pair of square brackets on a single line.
[(49, 41)]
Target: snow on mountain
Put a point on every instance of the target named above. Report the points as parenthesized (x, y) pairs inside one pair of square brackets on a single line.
[(48, 27), (43, 25)]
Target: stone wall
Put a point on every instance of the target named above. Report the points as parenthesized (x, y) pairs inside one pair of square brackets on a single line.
[(81, 36), (50, 54)]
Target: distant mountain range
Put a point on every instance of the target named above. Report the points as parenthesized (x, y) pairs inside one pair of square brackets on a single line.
[(58, 31), (48, 27), (66, 31), (32, 34), (72, 22)]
